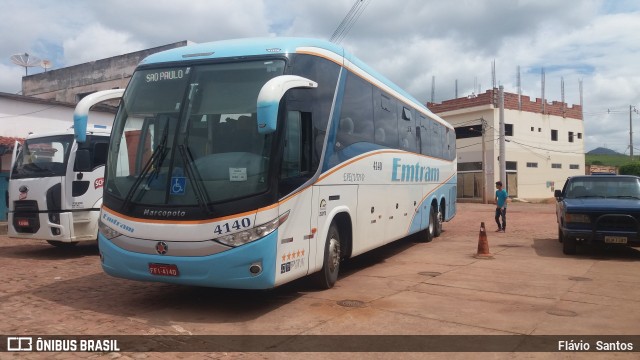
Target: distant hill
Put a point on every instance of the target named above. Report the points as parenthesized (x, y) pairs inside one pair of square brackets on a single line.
[(603, 151)]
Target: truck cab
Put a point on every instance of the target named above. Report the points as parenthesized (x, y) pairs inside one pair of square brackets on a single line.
[(598, 209), (55, 186)]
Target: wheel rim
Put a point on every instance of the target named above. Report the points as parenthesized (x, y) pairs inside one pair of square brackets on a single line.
[(334, 254), (439, 219)]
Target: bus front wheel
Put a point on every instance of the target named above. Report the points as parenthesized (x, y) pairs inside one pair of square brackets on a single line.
[(328, 275)]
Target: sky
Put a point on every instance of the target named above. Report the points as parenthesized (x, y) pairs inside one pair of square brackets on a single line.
[(409, 41)]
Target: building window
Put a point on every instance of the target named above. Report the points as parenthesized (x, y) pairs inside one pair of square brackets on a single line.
[(511, 165), (470, 166), (532, 165), (532, 128), (554, 135), (570, 136), (574, 166), (465, 132), (579, 135), (508, 129), (556, 166), (539, 129)]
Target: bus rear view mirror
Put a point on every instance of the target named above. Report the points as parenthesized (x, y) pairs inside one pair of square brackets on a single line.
[(269, 99)]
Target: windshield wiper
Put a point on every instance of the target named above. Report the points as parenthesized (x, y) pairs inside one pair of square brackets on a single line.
[(625, 197), (194, 177), (156, 159)]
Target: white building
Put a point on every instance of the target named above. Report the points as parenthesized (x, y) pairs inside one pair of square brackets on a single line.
[(544, 144)]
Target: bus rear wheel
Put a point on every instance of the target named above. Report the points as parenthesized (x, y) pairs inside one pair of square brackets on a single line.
[(437, 222), (62, 244), (431, 229), (328, 275)]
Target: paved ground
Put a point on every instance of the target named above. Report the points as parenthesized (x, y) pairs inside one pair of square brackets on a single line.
[(406, 288)]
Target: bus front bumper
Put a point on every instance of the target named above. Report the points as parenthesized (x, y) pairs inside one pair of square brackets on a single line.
[(228, 269)]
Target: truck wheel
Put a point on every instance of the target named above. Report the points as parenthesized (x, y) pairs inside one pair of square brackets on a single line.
[(328, 275), (62, 244), (569, 245), (560, 235)]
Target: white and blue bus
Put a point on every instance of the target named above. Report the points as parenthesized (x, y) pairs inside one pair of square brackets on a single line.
[(250, 163)]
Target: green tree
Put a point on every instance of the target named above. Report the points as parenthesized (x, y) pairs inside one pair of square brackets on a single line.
[(630, 169)]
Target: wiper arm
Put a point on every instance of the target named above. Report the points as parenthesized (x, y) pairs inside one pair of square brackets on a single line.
[(194, 177), (626, 197), (158, 153)]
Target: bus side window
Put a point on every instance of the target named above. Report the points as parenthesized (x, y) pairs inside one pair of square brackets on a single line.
[(296, 165), (385, 118), (297, 147), (406, 128)]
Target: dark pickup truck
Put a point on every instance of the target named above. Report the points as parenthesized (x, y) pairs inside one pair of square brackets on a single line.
[(598, 209)]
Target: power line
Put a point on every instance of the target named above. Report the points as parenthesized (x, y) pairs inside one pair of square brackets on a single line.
[(349, 20)]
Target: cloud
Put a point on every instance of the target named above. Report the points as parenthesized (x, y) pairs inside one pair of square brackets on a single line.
[(98, 42), (407, 41)]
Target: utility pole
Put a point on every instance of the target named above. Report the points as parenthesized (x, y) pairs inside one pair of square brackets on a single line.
[(484, 162), (503, 160), (630, 133)]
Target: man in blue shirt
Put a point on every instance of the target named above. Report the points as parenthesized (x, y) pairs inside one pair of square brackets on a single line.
[(501, 207)]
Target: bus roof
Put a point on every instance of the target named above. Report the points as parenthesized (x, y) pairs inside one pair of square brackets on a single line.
[(279, 45)]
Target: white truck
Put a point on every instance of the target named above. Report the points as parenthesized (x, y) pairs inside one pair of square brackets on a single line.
[(55, 186)]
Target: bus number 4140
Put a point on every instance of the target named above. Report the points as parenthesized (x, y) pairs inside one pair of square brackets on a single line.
[(236, 225)]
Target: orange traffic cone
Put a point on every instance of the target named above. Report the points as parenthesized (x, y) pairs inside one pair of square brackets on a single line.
[(483, 244)]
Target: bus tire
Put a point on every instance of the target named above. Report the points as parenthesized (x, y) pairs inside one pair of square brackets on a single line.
[(62, 244), (437, 230), (328, 275), (430, 231)]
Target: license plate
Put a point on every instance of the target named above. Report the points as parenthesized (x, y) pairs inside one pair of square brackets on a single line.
[(615, 239), (23, 222), (163, 269)]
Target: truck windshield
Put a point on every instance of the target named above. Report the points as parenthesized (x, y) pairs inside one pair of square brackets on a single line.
[(189, 135), (43, 157), (604, 187)]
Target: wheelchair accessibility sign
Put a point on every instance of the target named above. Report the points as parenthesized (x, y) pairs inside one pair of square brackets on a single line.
[(178, 185)]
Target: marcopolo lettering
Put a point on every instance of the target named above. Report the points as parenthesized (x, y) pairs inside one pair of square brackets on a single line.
[(164, 213), (413, 173)]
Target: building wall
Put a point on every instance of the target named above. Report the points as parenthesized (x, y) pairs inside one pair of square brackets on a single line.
[(20, 115), (531, 141), (70, 83)]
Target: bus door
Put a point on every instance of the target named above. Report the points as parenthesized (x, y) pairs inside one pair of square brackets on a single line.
[(296, 193)]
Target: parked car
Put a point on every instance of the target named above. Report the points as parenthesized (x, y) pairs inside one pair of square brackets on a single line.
[(598, 209)]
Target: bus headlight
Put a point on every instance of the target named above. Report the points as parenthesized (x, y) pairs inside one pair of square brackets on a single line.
[(253, 234), (577, 218), (106, 231)]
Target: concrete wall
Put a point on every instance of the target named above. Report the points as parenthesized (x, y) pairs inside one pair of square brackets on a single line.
[(66, 84)]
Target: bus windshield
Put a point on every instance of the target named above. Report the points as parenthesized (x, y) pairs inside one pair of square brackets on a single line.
[(189, 135), (43, 157)]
